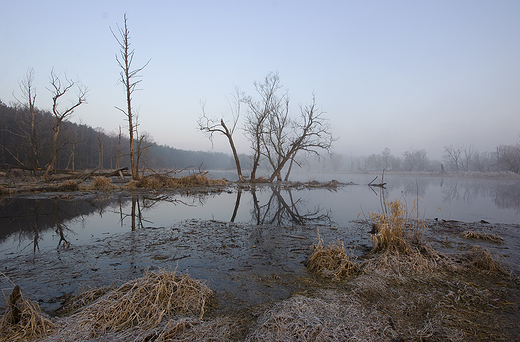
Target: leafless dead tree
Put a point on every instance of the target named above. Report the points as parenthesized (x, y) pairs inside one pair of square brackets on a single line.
[(258, 113), (26, 107), (310, 134), (452, 157), (212, 126), (130, 78), (58, 90)]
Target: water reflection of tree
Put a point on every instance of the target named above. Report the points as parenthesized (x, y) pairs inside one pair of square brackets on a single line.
[(507, 196), (142, 203), (416, 187), (281, 211), (27, 219), (60, 227), (464, 191)]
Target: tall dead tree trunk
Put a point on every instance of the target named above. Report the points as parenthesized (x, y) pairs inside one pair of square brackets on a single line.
[(129, 79)]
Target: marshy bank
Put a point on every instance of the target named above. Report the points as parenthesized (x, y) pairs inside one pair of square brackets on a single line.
[(248, 256)]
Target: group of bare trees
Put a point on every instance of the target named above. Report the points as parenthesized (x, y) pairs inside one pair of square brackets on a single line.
[(274, 135), (456, 158), (412, 160), (467, 158), (60, 88)]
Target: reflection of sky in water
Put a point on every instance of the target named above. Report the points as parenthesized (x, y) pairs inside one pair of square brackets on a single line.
[(496, 201)]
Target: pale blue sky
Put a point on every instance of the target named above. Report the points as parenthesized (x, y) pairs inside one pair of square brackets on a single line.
[(396, 74)]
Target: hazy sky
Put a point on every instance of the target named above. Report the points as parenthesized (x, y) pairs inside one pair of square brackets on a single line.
[(396, 74)]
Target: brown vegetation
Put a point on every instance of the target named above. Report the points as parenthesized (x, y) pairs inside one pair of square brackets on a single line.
[(395, 230), (140, 305), (157, 181), (471, 234), (101, 182), (332, 260), (23, 319), (409, 291)]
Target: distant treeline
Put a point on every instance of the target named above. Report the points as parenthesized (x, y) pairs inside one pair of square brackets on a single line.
[(82, 147)]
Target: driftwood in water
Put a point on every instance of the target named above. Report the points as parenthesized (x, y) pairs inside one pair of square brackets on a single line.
[(380, 185)]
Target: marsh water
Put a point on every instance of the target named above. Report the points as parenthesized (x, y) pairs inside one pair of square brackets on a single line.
[(247, 243)]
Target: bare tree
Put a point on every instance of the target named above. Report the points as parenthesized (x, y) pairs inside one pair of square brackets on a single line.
[(130, 78), (58, 90), (28, 125), (453, 157), (508, 158), (258, 113), (310, 134), (212, 126), (415, 160), (468, 155), (144, 144), (275, 135), (336, 161)]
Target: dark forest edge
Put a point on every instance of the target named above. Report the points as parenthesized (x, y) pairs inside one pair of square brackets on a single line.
[(83, 147)]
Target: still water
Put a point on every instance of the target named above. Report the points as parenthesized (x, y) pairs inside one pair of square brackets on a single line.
[(29, 223)]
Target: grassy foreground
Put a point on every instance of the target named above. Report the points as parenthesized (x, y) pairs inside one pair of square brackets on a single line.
[(403, 290)]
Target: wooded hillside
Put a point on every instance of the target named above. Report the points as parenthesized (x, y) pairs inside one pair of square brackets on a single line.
[(82, 147)]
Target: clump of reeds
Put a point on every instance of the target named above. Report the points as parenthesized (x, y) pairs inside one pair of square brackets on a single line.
[(157, 181), (482, 258), (84, 298), (131, 185), (471, 234), (144, 302), (101, 182), (394, 230), (332, 260), (70, 185), (154, 181), (23, 319)]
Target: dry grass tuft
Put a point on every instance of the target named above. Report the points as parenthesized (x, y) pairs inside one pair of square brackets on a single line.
[(101, 182), (331, 316), (153, 182), (481, 258), (145, 301), (131, 185), (23, 319), (190, 329), (471, 234), (395, 231), (84, 298), (70, 185), (138, 307), (332, 261), (160, 181)]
